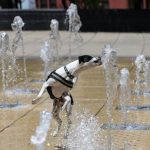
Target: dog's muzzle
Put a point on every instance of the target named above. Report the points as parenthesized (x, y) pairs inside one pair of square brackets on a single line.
[(98, 61)]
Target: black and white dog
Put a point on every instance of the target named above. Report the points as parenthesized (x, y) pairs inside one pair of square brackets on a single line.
[(60, 82)]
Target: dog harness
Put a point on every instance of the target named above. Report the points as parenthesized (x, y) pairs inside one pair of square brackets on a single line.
[(68, 73), (62, 80), (49, 90), (59, 78)]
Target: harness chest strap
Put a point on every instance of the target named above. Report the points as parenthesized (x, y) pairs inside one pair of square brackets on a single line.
[(59, 78), (68, 73)]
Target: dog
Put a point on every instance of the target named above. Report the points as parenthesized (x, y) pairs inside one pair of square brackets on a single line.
[(59, 84)]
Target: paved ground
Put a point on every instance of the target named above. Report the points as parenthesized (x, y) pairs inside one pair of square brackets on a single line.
[(126, 44), (18, 125)]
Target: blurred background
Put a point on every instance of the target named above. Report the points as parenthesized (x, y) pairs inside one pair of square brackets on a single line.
[(96, 15), (82, 4)]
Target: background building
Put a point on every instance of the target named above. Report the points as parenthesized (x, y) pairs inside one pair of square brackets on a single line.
[(96, 15), (82, 4), (105, 4), (129, 4)]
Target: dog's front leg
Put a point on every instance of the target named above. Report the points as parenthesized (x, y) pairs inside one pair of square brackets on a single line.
[(45, 85)]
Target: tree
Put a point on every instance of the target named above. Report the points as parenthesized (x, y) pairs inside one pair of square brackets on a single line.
[(91, 4), (6, 3)]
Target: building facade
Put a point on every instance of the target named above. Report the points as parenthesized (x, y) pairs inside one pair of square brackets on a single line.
[(129, 4), (82, 4), (105, 4)]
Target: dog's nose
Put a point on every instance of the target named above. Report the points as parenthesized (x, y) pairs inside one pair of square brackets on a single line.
[(98, 60)]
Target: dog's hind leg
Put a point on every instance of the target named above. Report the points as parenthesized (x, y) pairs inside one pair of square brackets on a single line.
[(55, 113), (67, 101), (69, 112), (59, 121), (69, 122)]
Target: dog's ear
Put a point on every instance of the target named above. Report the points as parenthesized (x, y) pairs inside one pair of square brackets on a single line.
[(84, 58)]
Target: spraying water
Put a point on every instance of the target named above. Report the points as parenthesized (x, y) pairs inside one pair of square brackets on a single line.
[(147, 78), (75, 24), (17, 26), (4, 42), (7, 67), (41, 131), (85, 133), (109, 57), (55, 40), (125, 93), (139, 63), (47, 57)]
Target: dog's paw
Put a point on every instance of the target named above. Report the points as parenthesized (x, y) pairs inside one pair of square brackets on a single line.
[(34, 101), (63, 108), (55, 133)]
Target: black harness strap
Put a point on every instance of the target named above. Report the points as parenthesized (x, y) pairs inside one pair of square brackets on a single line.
[(68, 73), (59, 78), (49, 90), (62, 80)]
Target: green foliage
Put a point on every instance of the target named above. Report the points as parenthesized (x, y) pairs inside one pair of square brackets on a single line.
[(91, 4), (6, 3), (1, 2)]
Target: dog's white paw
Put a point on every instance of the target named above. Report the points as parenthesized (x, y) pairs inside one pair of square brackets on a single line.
[(55, 133), (63, 108), (34, 101)]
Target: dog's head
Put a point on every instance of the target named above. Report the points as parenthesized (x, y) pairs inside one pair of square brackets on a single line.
[(87, 60)]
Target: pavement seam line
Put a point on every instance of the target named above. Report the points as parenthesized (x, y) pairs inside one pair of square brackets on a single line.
[(22, 116)]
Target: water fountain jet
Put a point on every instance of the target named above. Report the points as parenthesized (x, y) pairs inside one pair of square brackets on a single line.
[(147, 78), (125, 93), (8, 72), (139, 63), (54, 38), (47, 57), (40, 136), (17, 26), (85, 133), (75, 24), (109, 57)]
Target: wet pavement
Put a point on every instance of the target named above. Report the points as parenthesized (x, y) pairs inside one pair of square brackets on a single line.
[(18, 124)]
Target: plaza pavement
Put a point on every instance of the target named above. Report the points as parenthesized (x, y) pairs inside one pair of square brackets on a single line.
[(126, 44), (89, 92)]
